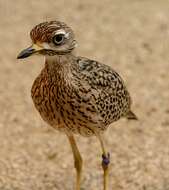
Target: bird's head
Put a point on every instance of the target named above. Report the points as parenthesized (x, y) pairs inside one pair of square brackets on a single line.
[(50, 38)]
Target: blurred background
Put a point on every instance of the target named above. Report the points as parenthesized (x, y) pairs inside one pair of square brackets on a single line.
[(132, 36)]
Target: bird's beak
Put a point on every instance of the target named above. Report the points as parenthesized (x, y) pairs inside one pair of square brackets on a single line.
[(29, 51)]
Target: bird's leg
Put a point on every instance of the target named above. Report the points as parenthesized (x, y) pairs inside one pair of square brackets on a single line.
[(77, 160), (105, 163)]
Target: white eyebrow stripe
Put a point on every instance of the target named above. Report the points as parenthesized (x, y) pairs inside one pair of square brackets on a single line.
[(61, 31)]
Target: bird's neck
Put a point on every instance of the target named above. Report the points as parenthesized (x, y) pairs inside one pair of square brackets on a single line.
[(59, 65)]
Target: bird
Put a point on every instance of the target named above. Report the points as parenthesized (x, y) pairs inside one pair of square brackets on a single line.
[(74, 94)]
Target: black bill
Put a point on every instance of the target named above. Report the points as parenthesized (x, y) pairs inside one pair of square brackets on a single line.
[(26, 53)]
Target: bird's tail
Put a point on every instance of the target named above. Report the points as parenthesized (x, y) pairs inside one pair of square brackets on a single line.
[(131, 115)]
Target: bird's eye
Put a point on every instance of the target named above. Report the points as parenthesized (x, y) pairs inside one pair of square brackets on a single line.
[(58, 39)]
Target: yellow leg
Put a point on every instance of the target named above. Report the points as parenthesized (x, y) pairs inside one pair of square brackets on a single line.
[(105, 163), (77, 160)]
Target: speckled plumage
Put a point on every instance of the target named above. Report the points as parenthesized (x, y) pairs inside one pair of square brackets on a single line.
[(75, 94), (80, 95)]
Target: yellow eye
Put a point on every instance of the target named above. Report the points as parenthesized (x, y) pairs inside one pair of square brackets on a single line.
[(58, 39)]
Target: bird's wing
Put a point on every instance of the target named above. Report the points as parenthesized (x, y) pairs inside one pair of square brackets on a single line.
[(101, 77), (100, 74), (108, 92)]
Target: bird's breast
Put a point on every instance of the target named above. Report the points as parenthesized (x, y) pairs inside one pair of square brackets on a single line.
[(63, 106), (44, 93)]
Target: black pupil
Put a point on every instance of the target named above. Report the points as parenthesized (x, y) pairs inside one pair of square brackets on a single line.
[(58, 38)]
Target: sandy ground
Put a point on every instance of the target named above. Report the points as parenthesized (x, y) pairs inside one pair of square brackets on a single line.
[(130, 35)]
